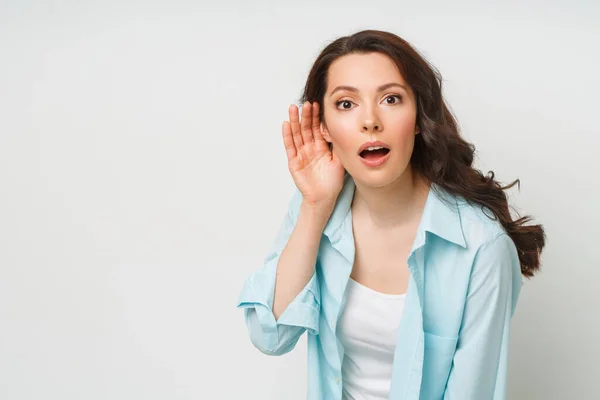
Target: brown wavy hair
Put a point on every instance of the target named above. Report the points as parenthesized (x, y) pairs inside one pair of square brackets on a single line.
[(440, 153)]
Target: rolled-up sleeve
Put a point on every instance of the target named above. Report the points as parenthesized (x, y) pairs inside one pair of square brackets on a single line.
[(480, 363), (271, 336)]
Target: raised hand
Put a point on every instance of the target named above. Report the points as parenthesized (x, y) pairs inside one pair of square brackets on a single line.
[(317, 172)]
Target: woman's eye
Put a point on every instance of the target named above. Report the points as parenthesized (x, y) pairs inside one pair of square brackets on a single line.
[(343, 102), (392, 96)]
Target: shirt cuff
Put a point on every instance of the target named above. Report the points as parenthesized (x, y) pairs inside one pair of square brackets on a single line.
[(303, 311)]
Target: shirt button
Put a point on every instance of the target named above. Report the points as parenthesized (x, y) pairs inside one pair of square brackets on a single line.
[(337, 380), (332, 325)]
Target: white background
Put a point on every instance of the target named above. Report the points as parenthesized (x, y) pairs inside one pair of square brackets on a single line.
[(143, 176)]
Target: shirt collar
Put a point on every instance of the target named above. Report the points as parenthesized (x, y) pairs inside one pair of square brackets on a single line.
[(441, 215)]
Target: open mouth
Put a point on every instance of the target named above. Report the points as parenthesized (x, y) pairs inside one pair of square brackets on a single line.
[(374, 154)]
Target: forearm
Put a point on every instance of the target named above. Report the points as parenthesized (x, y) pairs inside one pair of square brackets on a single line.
[(297, 262)]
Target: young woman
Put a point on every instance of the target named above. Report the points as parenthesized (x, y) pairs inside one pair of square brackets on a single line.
[(400, 260)]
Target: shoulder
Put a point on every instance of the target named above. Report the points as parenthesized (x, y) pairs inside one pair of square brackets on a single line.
[(493, 253), (481, 229), (488, 245)]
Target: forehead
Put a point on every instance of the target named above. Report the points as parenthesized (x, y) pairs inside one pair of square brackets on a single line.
[(363, 71)]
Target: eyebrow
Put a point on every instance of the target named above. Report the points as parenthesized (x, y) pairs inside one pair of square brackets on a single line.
[(379, 89)]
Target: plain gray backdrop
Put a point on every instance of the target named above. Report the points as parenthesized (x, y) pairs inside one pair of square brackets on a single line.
[(143, 177)]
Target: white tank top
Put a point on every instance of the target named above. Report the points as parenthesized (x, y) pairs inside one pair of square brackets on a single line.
[(368, 329)]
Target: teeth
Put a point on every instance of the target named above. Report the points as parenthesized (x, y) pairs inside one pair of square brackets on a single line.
[(374, 148)]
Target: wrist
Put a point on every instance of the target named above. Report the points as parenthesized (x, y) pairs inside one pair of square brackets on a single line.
[(317, 213)]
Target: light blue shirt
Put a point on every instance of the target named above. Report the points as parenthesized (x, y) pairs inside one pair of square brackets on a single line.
[(453, 337)]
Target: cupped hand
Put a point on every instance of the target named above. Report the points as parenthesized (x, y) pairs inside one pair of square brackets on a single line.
[(317, 172)]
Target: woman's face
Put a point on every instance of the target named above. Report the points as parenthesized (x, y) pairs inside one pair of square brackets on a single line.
[(381, 107)]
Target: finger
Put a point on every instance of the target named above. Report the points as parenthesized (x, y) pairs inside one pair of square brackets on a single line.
[(316, 123), (305, 125), (288, 141), (295, 125)]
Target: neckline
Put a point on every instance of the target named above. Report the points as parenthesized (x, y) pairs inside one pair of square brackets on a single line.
[(375, 292)]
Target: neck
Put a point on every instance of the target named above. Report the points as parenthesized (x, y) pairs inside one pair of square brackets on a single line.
[(394, 205)]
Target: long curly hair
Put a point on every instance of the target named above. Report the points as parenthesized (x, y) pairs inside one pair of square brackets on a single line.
[(440, 154)]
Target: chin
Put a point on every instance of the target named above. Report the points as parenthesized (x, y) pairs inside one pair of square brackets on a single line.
[(374, 178)]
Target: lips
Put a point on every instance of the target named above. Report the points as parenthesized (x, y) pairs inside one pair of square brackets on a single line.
[(375, 158), (376, 143)]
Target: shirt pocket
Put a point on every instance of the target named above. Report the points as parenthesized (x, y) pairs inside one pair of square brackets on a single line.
[(437, 362)]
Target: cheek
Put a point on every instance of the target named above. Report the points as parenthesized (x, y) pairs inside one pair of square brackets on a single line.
[(404, 129), (403, 122), (341, 134), (404, 145), (342, 141)]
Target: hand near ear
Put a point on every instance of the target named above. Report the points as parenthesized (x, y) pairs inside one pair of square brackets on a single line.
[(317, 172)]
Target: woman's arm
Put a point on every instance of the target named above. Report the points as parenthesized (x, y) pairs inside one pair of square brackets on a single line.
[(282, 299), (480, 363), (296, 264)]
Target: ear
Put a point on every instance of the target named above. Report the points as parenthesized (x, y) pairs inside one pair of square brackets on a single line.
[(325, 133)]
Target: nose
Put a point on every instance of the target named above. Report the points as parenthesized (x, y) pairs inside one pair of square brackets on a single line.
[(371, 125)]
